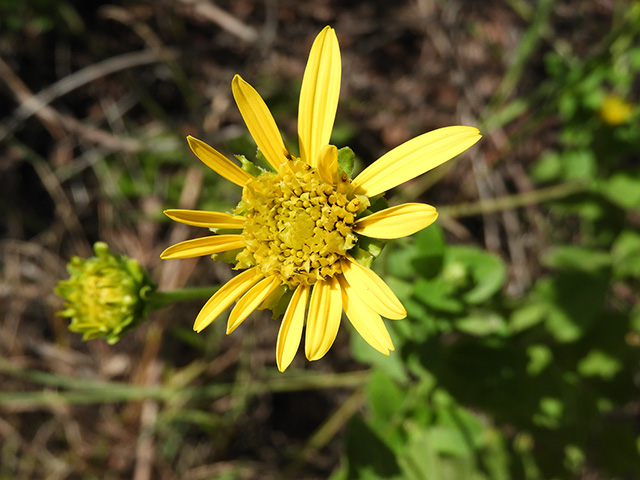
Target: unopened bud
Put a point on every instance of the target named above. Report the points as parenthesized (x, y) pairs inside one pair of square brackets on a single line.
[(106, 295)]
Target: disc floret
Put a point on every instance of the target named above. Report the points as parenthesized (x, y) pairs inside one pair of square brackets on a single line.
[(297, 226)]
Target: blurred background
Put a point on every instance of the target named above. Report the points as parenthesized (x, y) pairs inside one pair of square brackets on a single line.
[(520, 356)]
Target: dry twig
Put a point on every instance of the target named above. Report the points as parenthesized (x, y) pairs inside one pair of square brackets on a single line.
[(56, 122), (223, 19)]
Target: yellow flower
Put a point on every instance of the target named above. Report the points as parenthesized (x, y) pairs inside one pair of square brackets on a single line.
[(615, 110), (298, 225)]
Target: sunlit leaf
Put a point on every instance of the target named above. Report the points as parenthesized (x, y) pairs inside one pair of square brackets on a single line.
[(599, 364)]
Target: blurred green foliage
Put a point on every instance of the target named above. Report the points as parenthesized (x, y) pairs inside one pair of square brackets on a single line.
[(39, 16), (483, 386)]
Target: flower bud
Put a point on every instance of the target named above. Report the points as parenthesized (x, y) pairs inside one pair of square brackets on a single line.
[(106, 295)]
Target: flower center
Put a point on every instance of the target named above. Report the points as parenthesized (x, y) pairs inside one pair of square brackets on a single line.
[(297, 226)]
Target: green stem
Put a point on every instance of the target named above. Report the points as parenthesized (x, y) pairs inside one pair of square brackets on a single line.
[(159, 300), (63, 390), (510, 202)]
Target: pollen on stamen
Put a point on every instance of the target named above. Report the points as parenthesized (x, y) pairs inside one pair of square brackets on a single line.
[(297, 226)]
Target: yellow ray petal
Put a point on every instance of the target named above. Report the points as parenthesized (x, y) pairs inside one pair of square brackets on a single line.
[(367, 322), (290, 332), (397, 222), (323, 320), (218, 162), (414, 158), (223, 298), (319, 95), (372, 290), (201, 218), (203, 246), (328, 164), (250, 301), (259, 121)]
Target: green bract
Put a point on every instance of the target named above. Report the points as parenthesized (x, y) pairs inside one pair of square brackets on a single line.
[(106, 295)]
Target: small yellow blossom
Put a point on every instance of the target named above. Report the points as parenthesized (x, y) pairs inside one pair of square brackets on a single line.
[(615, 110), (106, 295), (297, 227)]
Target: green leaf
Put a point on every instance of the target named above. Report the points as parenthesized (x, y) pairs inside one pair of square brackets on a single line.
[(599, 364), (562, 326), (469, 425), (431, 245), (622, 189), (346, 160), (577, 258), (540, 356), (361, 256), (439, 295), (574, 458), (449, 441), (385, 398), (377, 203), (367, 454), (527, 316), (626, 254), (487, 271), (400, 262), (419, 460), (548, 168), (483, 323), (373, 246), (634, 57), (392, 365), (421, 255), (421, 325), (249, 167), (551, 410), (497, 457), (401, 288), (431, 240), (574, 300), (579, 164)]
